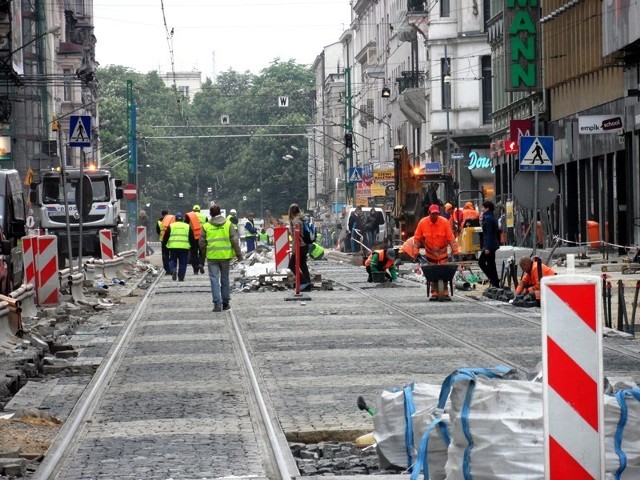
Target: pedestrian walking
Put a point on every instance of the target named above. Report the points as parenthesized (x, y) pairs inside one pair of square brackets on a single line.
[(372, 227), (178, 239), (219, 243), (196, 220), (296, 219), (355, 227), (490, 243), (165, 220)]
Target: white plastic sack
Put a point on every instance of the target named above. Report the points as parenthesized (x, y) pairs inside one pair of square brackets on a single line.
[(506, 427), (390, 425)]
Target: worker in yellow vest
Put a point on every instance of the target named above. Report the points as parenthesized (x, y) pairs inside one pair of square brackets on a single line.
[(161, 227), (178, 238), (219, 243), (194, 220)]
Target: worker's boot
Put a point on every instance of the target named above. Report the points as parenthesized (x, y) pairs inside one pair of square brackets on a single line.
[(434, 292), (446, 297)]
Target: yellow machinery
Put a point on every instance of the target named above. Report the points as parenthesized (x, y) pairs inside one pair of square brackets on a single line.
[(469, 241)]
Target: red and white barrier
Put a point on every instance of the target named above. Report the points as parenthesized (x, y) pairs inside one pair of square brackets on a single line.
[(47, 284), (29, 252), (141, 252), (106, 245), (573, 391), (281, 244)]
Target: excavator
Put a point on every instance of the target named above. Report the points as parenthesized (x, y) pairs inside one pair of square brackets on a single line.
[(411, 183)]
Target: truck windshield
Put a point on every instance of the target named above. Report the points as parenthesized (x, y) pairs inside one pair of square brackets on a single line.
[(52, 190)]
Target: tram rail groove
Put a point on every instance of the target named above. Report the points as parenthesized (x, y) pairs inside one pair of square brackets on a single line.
[(60, 449)]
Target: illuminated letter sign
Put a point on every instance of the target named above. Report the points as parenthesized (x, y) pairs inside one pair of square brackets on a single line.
[(476, 162), (521, 26)]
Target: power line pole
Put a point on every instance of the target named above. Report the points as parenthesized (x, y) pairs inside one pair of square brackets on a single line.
[(132, 205), (348, 135)]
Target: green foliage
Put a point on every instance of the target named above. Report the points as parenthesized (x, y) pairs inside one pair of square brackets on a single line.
[(240, 160)]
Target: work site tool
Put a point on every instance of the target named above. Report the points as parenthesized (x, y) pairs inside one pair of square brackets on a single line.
[(439, 274)]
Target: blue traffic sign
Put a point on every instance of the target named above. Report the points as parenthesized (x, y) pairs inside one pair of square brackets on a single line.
[(355, 175), (80, 131), (536, 153)]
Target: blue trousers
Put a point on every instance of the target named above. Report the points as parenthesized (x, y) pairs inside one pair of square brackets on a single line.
[(219, 279), (178, 257)]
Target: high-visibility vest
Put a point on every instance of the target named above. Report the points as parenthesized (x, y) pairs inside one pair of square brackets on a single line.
[(248, 234), (166, 221), (410, 248), (218, 242), (263, 237), (202, 217), (179, 236), (383, 262), (435, 237), (316, 251), (196, 226)]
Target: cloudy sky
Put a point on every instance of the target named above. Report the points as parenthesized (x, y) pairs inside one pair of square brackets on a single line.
[(240, 34)]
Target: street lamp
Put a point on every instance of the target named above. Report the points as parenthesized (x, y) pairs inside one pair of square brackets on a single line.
[(447, 107)]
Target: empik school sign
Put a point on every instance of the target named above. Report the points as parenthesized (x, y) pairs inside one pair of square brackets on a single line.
[(522, 45)]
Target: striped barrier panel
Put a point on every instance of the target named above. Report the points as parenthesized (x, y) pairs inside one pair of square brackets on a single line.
[(281, 244), (47, 284), (29, 252), (106, 245), (573, 383), (142, 243)]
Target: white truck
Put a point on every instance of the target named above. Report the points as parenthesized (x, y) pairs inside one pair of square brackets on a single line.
[(48, 204)]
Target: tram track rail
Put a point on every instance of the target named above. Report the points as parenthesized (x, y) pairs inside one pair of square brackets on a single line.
[(275, 455)]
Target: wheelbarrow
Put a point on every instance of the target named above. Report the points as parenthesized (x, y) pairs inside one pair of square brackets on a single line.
[(440, 274)]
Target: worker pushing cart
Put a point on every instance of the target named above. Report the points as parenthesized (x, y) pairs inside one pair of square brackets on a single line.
[(434, 233)]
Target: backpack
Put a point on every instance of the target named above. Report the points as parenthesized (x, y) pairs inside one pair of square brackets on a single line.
[(308, 233)]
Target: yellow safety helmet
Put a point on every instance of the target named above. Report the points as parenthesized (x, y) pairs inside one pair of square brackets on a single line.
[(196, 208), (447, 206)]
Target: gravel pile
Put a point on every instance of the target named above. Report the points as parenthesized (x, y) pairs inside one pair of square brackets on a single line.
[(336, 458)]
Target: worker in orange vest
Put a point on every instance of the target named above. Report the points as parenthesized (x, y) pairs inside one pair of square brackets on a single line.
[(409, 251), (165, 220), (194, 220), (533, 270), (434, 233), (381, 261), (469, 213)]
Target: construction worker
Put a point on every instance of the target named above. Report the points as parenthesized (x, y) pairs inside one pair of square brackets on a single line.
[(529, 285), (201, 216), (409, 251), (469, 213), (263, 237), (193, 218), (219, 243), (233, 217), (434, 233), (316, 250), (448, 210), (161, 227), (250, 233), (178, 238), (382, 261), (455, 220)]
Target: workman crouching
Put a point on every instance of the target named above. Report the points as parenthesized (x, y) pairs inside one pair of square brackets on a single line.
[(529, 286), (382, 261)]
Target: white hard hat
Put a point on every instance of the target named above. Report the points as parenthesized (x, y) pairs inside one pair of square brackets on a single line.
[(233, 210)]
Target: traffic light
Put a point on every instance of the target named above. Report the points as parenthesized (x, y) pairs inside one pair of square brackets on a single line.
[(348, 140)]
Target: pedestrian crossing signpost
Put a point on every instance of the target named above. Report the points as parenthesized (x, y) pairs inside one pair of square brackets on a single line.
[(536, 154), (80, 131), (355, 175)]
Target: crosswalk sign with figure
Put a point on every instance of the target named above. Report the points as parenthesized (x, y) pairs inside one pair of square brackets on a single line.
[(355, 175), (536, 153), (80, 131)]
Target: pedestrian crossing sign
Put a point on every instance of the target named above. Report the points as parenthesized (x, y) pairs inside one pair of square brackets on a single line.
[(536, 153), (355, 175), (80, 131)]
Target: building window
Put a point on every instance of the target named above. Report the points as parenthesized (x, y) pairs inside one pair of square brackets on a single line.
[(67, 94), (184, 90), (487, 96), (446, 85), (445, 8)]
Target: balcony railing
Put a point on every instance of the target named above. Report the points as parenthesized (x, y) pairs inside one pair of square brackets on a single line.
[(410, 79)]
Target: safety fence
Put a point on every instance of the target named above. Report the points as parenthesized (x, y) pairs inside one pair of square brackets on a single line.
[(44, 282)]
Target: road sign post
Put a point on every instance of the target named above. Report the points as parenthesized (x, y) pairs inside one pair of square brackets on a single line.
[(130, 192)]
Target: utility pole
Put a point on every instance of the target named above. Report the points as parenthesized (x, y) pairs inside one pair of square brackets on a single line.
[(348, 134), (132, 205)]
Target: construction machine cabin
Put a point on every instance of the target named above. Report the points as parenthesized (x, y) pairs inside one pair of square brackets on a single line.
[(412, 181)]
